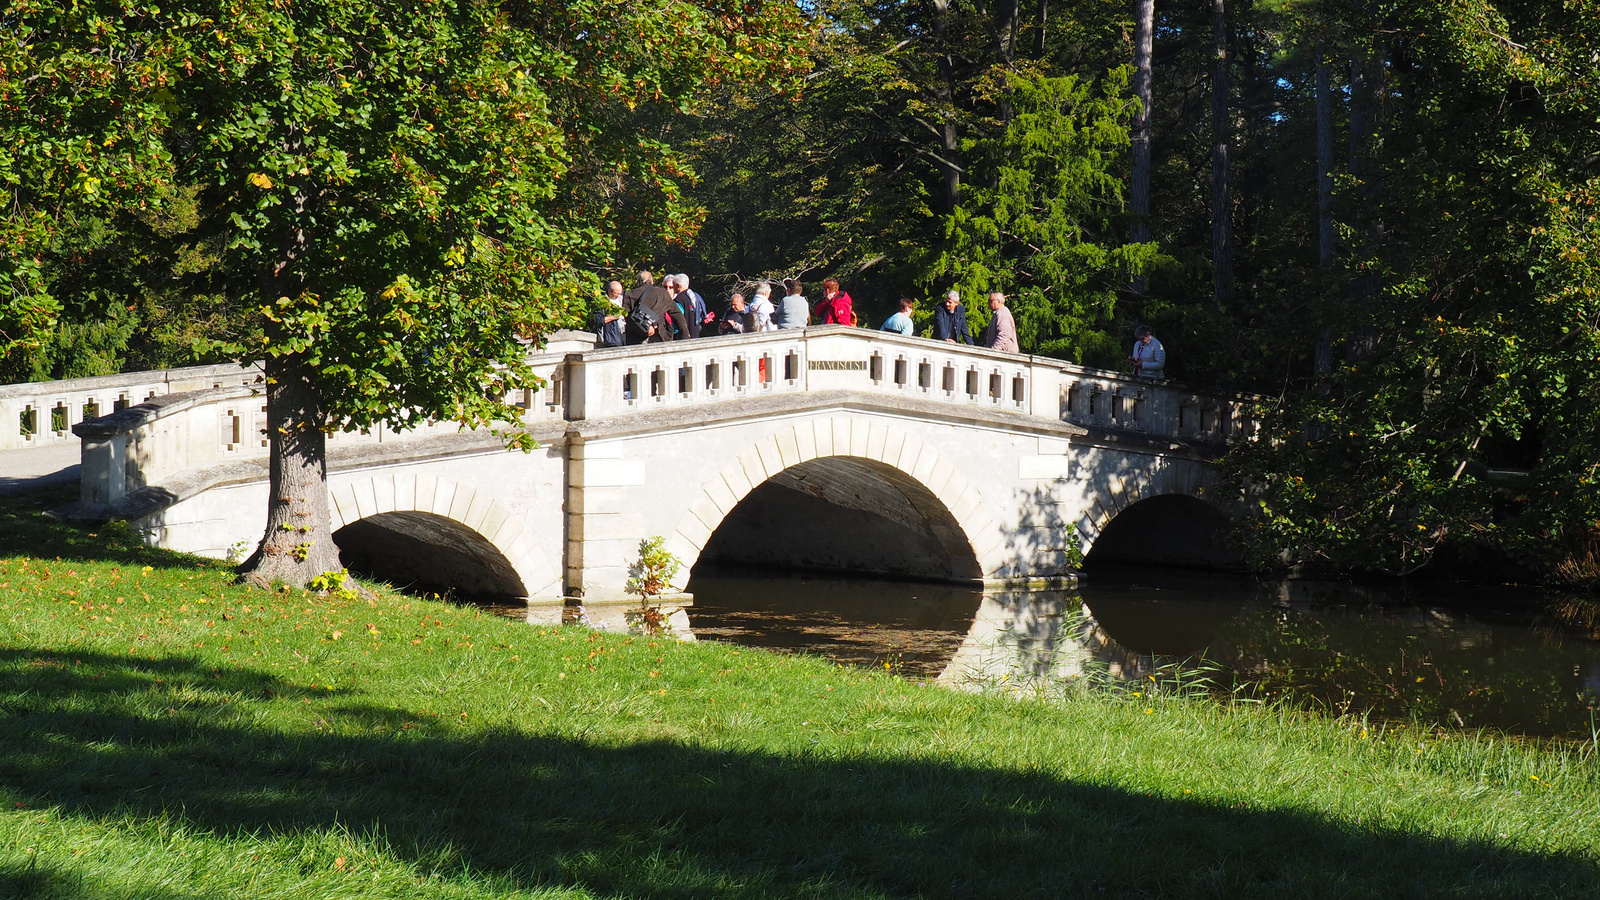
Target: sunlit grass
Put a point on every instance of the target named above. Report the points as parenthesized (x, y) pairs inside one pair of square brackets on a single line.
[(164, 733)]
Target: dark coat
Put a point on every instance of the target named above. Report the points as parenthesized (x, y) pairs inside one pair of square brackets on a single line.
[(659, 301), (950, 326), (689, 327)]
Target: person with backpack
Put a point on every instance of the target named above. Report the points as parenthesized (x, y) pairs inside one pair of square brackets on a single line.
[(836, 307), (668, 317), (699, 313), (761, 309)]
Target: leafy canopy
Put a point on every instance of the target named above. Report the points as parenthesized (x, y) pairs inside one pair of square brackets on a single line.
[(408, 192)]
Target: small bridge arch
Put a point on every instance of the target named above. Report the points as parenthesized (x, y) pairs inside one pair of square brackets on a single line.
[(1167, 518), (417, 527)]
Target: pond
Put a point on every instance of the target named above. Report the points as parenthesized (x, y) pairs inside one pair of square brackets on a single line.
[(1516, 660)]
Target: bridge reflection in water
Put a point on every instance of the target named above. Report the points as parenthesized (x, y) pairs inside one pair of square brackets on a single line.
[(1513, 661)]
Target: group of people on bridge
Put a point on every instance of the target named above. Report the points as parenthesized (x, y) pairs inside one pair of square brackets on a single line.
[(672, 310)]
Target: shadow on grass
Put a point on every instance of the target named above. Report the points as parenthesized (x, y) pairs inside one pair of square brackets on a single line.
[(25, 530), (667, 820)]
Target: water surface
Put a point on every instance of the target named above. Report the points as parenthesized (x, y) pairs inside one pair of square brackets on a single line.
[(1511, 659)]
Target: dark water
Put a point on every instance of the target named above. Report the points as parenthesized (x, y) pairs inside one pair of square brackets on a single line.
[(1510, 659)]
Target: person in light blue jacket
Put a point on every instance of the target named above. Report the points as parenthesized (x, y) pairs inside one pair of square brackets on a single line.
[(901, 321), (1149, 358)]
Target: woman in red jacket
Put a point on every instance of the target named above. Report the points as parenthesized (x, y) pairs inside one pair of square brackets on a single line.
[(835, 308)]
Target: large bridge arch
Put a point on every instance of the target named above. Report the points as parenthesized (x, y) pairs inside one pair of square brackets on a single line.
[(951, 505), (416, 506)]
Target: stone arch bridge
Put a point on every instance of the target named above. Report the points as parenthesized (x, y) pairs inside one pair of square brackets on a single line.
[(827, 448)]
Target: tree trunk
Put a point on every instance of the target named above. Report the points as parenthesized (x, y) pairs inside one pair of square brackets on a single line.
[(1326, 248), (1039, 38), (1221, 142), (1139, 190), (1366, 94), (949, 140), (1005, 31), (298, 544), (1325, 239)]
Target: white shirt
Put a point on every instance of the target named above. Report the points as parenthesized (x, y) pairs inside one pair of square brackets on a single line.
[(761, 307)]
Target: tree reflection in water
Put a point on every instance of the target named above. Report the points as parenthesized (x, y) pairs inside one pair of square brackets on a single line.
[(1510, 660)]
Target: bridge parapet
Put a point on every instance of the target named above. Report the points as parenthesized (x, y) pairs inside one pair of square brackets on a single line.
[(624, 380), (224, 421), (42, 413), (1102, 400)]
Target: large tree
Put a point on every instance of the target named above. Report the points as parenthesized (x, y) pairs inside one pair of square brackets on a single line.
[(407, 193)]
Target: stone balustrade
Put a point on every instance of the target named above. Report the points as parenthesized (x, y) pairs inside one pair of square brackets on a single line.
[(221, 419), (43, 413)]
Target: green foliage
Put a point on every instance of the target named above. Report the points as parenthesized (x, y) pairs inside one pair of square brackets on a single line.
[(651, 574), (1462, 414), (397, 198), (338, 584), (1040, 220)]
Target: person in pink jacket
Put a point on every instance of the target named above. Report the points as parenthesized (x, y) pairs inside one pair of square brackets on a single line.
[(836, 307)]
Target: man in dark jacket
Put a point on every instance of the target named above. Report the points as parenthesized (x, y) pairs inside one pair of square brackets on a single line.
[(606, 321), (657, 300), (683, 298), (950, 320)]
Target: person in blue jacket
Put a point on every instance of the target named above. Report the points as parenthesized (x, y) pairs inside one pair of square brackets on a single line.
[(950, 321)]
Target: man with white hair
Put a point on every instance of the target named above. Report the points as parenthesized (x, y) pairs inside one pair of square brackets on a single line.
[(1002, 331), (695, 310), (761, 308), (950, 320)]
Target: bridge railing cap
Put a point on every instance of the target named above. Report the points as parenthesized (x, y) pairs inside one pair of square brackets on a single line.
[(136, 417)]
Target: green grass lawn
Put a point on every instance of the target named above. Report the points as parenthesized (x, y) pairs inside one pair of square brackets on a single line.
[(164, 734)]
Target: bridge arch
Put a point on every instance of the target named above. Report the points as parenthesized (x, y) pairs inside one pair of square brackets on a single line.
[(1168, 516), (397, 512), (809, 454)]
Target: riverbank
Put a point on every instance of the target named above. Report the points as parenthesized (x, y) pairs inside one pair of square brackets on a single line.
[(166, 734)]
